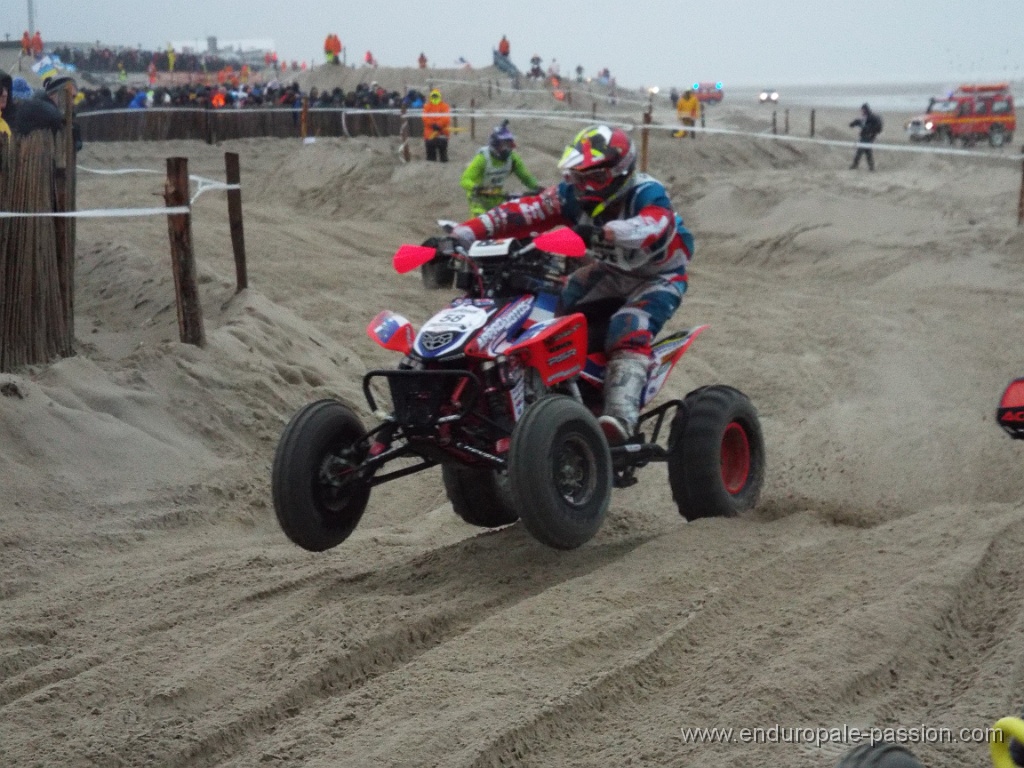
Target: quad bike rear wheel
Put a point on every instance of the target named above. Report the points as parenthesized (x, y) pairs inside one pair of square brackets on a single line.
[(318, 495), (560, 472), (481, 497), (716, 454)]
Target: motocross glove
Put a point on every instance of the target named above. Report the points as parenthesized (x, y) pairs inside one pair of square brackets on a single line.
[(592, 234), (463, 236)]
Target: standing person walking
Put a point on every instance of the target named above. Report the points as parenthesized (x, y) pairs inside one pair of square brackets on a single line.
[(870, 125), (436, 127)]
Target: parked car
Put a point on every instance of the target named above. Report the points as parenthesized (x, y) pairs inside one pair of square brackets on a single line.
[(768, 96)]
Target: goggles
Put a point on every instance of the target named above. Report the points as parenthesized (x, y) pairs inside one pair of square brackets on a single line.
[(592, 180)]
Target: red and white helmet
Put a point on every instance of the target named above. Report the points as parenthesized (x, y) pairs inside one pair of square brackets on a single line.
[(599, 163)]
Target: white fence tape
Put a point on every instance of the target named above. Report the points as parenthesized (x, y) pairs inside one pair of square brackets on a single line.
[(97, 213), (204, 185)]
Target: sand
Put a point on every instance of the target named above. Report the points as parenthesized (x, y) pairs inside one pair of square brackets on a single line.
[(153, 613)]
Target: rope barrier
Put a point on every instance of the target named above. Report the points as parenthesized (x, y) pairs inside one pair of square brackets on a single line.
[(204, 185)]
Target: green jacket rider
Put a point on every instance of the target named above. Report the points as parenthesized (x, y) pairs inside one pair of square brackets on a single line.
[(484, 177)]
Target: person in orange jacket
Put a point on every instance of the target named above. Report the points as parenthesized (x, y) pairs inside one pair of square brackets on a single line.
[(37, 44), (503, 47), (436, 127), (423, 60)]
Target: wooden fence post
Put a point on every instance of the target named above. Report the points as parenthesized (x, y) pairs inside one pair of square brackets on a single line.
[(644, 139), (1020, 202), (593, 111), (233, 176), (472, 118), (404, 134), (211, 125), (812, 123), (786, 129), (775, 125), (183, 264)]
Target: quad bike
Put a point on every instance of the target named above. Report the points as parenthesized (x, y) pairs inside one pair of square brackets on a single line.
[(502, 392), (1010, 413)]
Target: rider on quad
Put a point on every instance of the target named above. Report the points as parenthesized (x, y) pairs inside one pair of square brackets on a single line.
[(484, 177), (641, 250)]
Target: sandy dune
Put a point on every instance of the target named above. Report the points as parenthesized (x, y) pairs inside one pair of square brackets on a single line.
[(152, 613)]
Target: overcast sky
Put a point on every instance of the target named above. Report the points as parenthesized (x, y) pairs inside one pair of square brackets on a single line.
[(653, 42)]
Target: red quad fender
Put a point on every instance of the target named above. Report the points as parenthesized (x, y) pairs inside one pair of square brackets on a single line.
[(556, 347), (1010, 414), (666, 354)]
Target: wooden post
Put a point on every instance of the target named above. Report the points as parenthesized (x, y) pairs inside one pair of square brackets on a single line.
[(702, 114), (775, 126), (405, 136), (644, 139), (233, 176), (183, 265), (786, 129), (593, 111), (488, 91), (472, 118), (211, 124), (1020, 202), (812, 123), (64, 228)]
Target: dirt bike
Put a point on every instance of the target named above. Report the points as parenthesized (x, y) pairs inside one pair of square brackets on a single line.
[(502, 392)]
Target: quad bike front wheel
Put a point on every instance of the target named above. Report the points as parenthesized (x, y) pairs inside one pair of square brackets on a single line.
[(319, 496), (481, 497), (560, 472), (716, 454)]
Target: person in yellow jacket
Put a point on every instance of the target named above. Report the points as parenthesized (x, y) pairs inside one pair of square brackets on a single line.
[(436, 127), (688, 109), (484, 177)]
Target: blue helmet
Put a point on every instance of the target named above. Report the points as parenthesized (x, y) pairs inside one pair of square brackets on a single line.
[(20, 89), (502, 142)]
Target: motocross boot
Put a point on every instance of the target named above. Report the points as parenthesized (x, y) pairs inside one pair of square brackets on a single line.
[(624, 381)]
